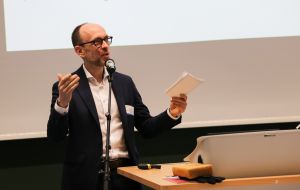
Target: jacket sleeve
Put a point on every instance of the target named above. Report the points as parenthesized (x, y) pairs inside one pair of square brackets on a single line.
[(149, 125), (58, 124)]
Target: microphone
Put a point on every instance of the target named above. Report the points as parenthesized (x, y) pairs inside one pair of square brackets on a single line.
[(148, 166), (110, 66)]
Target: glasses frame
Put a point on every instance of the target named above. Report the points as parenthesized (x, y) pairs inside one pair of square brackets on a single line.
[(98, 42)]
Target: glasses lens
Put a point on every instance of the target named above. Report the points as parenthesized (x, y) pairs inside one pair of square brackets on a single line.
[(108, 39), (98, 42)]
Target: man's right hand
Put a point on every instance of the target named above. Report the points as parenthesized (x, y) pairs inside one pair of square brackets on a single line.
[(66, 85)]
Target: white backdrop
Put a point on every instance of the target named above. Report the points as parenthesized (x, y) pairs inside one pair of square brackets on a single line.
[(247, 80), (34, 24)]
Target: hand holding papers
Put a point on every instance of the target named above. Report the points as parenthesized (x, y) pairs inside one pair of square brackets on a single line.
[(186, 83)]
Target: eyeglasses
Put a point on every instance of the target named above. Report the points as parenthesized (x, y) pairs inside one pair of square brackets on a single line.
[(99, 41)]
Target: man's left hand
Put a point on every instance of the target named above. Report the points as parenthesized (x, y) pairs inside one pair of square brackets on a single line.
[(178, 105)]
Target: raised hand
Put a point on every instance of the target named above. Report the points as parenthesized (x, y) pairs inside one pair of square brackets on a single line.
[(178, 105), (66, 85)]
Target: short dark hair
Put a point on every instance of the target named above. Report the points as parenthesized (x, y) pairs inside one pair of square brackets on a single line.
[(76, 39)]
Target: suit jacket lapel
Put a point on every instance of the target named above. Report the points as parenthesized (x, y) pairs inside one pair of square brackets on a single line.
[(86, 94)]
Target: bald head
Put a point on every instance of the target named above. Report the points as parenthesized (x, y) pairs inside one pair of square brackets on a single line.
[(85, 30)]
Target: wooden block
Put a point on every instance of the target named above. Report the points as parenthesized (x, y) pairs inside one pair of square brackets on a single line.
[(192, 170)]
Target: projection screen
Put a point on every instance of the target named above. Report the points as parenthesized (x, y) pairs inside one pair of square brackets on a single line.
[(246, 51)]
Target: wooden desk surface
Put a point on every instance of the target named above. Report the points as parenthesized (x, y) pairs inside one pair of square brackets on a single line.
[(156, 179)]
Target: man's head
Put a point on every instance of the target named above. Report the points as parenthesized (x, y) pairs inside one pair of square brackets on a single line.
[(91, 43)]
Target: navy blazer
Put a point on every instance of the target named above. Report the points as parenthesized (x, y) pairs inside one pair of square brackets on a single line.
[(81, 125)]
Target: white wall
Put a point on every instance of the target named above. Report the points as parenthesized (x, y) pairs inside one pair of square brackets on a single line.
[(252, 80)]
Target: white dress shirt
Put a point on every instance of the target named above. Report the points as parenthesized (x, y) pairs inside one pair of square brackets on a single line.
[(100, 95)]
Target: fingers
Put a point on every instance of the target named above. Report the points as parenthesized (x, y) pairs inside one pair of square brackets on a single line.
[(178, 105), (182, 99), (74, 82), (72, 87), (67, 83), (63, 80)]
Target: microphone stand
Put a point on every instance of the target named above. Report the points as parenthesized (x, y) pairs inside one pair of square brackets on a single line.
[(106, 180)]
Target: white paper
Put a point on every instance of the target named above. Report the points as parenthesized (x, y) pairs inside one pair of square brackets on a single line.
[(185, 84)]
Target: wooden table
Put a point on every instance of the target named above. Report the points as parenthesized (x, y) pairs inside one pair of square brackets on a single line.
[(156, 179)]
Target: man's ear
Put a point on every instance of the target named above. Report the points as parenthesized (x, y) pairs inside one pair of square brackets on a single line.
[(79, 51)]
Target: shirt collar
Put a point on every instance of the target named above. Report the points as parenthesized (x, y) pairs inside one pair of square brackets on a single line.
[(89, 76)]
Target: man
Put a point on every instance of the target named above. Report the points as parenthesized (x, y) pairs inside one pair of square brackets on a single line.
[(78, 107)]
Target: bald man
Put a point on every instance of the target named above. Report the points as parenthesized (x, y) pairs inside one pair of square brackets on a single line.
[(78, 107)]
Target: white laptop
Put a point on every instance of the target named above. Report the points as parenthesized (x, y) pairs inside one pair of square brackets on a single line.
[(251, 154)]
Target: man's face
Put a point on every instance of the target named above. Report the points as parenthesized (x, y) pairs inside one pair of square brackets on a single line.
[(93, 52)]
